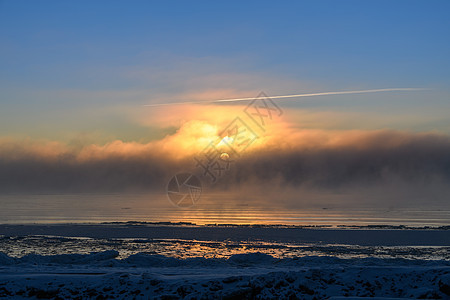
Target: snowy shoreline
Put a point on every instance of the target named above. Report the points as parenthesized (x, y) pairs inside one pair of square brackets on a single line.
[(185, 261), (242, 276)]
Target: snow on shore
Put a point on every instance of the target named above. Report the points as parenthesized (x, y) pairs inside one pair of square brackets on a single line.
[(146, 261), (102, 275)]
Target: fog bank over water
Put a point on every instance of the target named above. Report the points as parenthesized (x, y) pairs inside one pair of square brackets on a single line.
[(350, 160), (288, 176), (379, 168)]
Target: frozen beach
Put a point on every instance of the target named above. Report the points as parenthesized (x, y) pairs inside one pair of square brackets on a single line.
[(137, 260)]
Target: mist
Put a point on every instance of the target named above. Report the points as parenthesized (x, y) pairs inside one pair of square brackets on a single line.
[(378, 168)]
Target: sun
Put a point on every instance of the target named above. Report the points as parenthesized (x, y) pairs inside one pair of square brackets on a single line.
[(224, 156)]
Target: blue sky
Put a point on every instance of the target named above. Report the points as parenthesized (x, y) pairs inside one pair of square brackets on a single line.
[(68, 66), (75, 75)]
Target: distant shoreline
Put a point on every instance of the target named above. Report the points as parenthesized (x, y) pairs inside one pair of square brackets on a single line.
[(362, 235), (231, 225)]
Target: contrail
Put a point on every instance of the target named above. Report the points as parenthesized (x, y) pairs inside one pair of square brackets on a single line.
[(291, 96)]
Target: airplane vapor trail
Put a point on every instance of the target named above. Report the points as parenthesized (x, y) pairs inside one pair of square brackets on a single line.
[(290, 96)]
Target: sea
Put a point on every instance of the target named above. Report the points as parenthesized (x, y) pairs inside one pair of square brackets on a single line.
[(212, 209)]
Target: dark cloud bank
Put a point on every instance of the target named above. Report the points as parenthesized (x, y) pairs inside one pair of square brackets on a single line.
[(392, 159)]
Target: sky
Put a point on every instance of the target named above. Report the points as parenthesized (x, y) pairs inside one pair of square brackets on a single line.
[(75, 76)]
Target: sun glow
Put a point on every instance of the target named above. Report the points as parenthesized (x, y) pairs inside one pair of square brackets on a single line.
[(200, 125), (225, 141)]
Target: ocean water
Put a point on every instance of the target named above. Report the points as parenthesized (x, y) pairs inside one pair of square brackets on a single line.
[(217, 209)]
